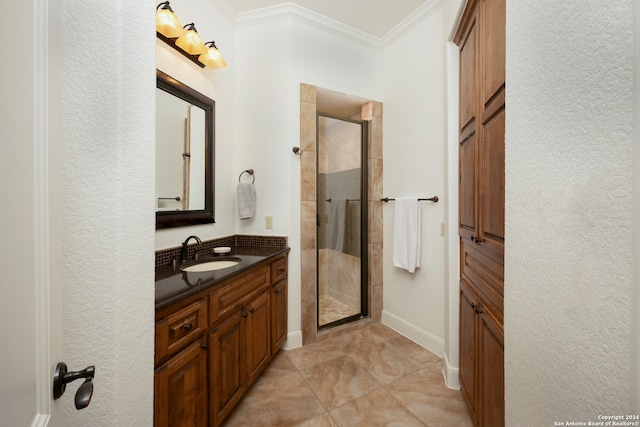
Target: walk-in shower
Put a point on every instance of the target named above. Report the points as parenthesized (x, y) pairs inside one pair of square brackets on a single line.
[(341, 219)]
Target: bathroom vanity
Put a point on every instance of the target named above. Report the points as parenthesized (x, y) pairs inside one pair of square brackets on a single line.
[(215, 333)]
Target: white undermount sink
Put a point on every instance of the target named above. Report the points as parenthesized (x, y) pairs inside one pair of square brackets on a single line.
[(210, 265)]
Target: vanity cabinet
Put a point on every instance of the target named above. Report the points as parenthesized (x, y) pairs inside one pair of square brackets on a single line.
[(211, 347), (481, 39)]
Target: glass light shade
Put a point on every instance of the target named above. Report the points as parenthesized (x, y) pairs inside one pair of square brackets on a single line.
[(191, 42), (212, 58), (168, 25)]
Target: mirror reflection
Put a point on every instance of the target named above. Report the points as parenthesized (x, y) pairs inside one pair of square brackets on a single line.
[(184, 154), (180, 149)]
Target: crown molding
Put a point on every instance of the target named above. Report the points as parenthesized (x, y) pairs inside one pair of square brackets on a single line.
[(292, 11), (420, 14)]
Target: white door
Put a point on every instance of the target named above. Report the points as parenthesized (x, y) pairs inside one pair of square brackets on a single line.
[(31, 288)]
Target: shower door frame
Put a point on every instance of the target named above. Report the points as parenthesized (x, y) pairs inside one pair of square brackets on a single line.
[(364, 222)]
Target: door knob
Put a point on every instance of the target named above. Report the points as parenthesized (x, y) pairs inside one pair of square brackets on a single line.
[(61, 377)]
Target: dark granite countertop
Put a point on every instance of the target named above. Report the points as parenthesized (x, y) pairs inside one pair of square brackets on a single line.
[(174, 285)]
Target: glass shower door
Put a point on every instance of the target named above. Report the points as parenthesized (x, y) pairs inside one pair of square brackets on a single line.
[(341, 231)]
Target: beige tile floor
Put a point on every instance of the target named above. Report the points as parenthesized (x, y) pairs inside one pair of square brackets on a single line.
[(369, 377)]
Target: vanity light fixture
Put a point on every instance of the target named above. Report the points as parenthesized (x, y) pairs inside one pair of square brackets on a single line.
[(167, 22), (212, 58), (186, 40), (191, 42)]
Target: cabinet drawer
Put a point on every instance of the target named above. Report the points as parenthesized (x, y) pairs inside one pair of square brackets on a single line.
[(178, 329), (278, 270), (231, 295)]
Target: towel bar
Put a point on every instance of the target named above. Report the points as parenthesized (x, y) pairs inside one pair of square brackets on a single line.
[(433, 199), (348, 200), (250, 172)]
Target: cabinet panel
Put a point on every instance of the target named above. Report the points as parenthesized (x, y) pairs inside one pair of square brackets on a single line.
[(279, 270), (485, 274), (494, 47), (178, 329), (492, 184), (467, 187), (226, 363), (468, 71), (279, 315), (232, 295), (468, 347), (181, 389), (491, 366), (258, 330)]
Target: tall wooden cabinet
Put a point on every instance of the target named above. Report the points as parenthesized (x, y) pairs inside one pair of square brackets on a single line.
[(481, 39)]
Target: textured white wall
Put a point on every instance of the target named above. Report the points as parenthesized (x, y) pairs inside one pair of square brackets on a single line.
[(568, 255), (414, 144), (108, 134)]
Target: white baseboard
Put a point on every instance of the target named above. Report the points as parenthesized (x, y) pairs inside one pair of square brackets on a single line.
[(294, 340), (451, 374), (415, 334)]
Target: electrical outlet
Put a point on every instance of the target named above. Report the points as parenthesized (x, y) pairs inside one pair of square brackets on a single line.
[(268, 221), (442, 228)]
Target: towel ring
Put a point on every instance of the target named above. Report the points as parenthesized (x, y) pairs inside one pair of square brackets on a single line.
[(250, 172)]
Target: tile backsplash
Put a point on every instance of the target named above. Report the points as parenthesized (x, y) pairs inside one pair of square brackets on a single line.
[(166, 256)]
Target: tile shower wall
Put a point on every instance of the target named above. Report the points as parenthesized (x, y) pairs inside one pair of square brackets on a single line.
[(308, 211)]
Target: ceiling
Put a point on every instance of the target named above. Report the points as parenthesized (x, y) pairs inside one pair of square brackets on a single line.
[(374, 17)]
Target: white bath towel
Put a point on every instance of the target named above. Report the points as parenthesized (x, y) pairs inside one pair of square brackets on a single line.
[(246, 201), (407, 232), (337, 221)]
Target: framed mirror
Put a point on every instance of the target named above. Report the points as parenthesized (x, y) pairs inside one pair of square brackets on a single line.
[(185, 121)]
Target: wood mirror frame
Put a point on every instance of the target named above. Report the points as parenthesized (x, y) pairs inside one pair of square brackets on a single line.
[(178, 218)]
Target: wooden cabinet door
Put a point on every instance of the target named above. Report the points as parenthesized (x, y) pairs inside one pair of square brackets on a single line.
[(468, 348), (278, 315), (226, 366), (468, 150), (181, 389), (491, 370), (258, 335), (491, 145)]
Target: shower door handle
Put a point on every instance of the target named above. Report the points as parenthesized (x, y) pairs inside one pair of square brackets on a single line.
[(317, 221)]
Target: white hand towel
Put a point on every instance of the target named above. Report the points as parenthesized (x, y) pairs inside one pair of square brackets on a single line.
[(407, 233), (246, 201), (337, 221)]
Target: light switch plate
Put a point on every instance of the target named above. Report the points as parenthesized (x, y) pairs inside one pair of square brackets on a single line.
[(268, 221)]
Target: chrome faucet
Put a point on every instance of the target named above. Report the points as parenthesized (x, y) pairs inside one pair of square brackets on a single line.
[(183, 252)]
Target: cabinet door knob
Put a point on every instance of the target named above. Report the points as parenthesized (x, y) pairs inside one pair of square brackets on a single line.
[(244, 313), (251, 310), (204, 346), (187, 326)]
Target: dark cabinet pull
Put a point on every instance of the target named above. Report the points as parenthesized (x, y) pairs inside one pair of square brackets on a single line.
[(280, 270), (187, 327), (275, 291), (476, 239), (252, 310), (204, 346), (244, 313), (476, 308)]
